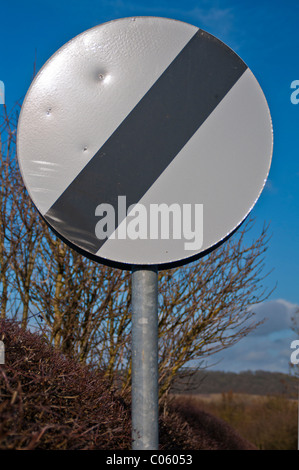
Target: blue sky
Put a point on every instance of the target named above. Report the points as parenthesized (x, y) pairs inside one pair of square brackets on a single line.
[(265, 36)]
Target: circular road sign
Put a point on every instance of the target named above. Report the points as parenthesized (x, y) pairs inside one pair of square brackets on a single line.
[(144, 141)]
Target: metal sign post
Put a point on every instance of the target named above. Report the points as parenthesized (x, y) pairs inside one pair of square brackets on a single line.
[(145, 408), (144, 143)]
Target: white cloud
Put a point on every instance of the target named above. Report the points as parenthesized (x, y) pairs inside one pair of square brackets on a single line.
[(267, 347), (213, 18), (277, 315), (269, 186)]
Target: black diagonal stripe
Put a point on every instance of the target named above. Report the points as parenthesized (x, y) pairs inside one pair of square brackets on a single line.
[(149, 138)]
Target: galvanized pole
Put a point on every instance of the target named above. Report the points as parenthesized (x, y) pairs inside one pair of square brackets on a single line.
[(145, 413)]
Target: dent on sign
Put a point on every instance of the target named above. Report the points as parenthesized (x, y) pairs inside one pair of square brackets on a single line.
[(135, 125)]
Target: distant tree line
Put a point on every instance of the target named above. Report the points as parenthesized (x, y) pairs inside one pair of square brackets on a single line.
[(258, 382)]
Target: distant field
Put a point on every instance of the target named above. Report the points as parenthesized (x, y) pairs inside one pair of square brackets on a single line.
[(268, 422)]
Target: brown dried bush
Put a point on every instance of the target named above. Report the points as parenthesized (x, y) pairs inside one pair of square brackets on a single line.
[(50, 402)]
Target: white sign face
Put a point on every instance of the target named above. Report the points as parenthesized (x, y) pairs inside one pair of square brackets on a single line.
[(144, 141)]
